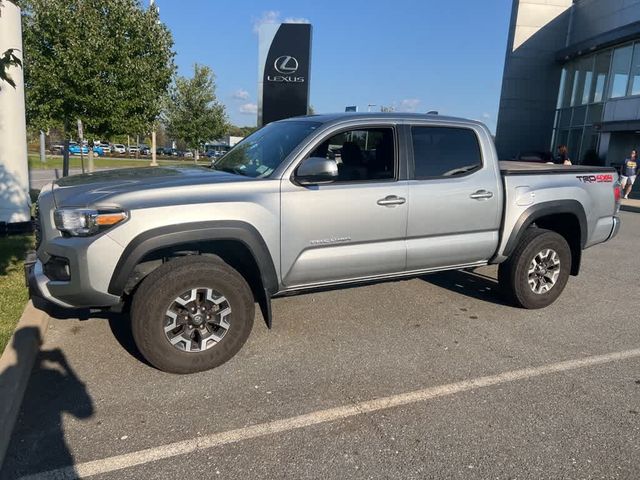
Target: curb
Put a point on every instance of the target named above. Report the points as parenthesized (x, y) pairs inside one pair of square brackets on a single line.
[(16, 363), (630, 208)]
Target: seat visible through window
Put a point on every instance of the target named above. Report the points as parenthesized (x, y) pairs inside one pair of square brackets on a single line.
[(362, 155)]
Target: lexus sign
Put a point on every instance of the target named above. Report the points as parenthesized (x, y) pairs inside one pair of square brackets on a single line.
[(283, 89)]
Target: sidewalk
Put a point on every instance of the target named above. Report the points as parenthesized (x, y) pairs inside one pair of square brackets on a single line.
[(631, 205)]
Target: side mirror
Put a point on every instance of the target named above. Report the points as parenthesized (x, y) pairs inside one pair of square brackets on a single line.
[(316, 170)]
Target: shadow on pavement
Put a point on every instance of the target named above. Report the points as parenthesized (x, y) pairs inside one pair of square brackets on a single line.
[(468, 283), (54, 389), (119, 323)]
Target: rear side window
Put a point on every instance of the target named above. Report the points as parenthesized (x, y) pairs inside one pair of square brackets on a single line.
[(445, 151)]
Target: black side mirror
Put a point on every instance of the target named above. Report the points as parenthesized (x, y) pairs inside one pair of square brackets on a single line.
[(316, 170)]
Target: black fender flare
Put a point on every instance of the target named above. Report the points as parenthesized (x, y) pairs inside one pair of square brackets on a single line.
[(185, 233), (535, 212)]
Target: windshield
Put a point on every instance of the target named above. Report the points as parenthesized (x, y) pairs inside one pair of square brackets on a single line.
[(263, 151)]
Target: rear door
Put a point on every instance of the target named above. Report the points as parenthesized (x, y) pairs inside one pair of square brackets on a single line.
[(455, 197), (354, 227)]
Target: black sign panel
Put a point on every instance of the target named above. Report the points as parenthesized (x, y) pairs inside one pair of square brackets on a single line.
[(285, 62)]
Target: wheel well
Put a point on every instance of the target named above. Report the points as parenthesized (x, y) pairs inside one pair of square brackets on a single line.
[(233, 252), (567, 225)]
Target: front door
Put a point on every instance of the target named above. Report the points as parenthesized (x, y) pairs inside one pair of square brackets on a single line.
[(354, 227)]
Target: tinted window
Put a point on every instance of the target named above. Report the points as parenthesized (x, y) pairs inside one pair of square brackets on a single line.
[(363, 154), (444, 152)]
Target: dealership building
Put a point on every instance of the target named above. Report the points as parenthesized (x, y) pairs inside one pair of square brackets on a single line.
[(572, 76)]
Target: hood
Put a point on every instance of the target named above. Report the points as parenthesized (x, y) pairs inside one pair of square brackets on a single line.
[(89, 188)]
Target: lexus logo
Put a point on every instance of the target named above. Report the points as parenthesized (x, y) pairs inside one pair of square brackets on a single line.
[(286, 65)]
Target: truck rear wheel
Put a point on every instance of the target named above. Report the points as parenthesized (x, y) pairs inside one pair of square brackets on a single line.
[(192, 314), (537, 271)]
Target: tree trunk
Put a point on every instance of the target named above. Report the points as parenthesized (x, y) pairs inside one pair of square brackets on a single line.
[(196, 156)]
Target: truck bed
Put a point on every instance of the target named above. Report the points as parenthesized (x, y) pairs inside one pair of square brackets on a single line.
[(529, 168)]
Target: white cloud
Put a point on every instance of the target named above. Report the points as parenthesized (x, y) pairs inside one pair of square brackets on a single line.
[(241, 94), (248, 108), (268, 17), (409, 104), (273, 16)]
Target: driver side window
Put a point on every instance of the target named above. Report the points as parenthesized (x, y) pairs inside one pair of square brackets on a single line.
[(362, 154)]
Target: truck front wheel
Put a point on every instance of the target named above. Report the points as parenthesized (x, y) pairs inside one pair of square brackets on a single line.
[(537, 271), (191, 314)]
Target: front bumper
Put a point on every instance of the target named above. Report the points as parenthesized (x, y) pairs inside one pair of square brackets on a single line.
[(77, 292)]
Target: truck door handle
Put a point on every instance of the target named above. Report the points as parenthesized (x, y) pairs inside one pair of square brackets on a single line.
[(481, 195), (391, 200)]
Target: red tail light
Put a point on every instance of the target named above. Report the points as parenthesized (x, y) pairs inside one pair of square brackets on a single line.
[(617, 193)]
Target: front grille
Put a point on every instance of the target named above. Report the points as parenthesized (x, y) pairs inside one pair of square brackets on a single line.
[(37, 228)]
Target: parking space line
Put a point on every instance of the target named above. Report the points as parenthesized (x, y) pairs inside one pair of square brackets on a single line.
[(162, 452)]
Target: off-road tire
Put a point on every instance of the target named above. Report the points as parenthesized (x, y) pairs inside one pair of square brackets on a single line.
[(159, 289), (513, 274)]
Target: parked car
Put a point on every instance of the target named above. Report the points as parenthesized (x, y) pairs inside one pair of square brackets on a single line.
[(57, 148), (133, 149), (144, 149), (106, 148), (76, 149), (188, 154), (278, 216), (119, 148)]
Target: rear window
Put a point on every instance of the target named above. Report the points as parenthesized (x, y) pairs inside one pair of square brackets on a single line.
[(445, 151)]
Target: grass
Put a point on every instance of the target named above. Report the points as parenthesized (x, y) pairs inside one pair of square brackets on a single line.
[(14, 293), (55, 161)]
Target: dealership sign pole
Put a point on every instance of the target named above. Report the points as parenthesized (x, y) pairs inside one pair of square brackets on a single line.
[(284, 66)]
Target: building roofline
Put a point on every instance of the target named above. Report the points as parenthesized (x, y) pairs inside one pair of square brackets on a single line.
[(616, 36)]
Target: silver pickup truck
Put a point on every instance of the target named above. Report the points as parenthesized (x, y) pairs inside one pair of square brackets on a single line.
[(310, 202)]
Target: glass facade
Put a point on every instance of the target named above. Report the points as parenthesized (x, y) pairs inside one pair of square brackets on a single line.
[(587, 83)]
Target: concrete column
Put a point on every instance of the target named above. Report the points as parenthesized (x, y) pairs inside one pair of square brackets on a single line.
[(15, 205)]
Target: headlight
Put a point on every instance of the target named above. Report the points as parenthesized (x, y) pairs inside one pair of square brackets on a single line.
[(85, 222)]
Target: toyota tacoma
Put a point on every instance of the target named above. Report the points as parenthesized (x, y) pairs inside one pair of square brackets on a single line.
[(308, 203)]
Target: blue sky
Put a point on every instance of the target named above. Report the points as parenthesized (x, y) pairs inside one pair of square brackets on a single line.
[(416, 55)]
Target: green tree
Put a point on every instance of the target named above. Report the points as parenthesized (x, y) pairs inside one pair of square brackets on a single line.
[(193, 114), (106, 62), (235, 131)]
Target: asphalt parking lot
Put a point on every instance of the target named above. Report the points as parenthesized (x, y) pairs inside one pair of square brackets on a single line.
[(424, 378)]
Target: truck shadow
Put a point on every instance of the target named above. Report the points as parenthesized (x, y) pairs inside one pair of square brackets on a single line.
[(468, 283)]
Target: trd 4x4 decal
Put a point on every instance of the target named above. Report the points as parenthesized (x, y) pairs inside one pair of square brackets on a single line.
[(595, 178)]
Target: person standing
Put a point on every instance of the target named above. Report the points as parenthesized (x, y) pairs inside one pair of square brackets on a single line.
[(629, 172), (563, 155)]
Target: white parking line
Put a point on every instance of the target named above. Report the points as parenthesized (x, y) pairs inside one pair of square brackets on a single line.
[(141, 457)]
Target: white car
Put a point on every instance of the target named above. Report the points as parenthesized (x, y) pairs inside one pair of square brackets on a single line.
[(119, 148), (134, 149)]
